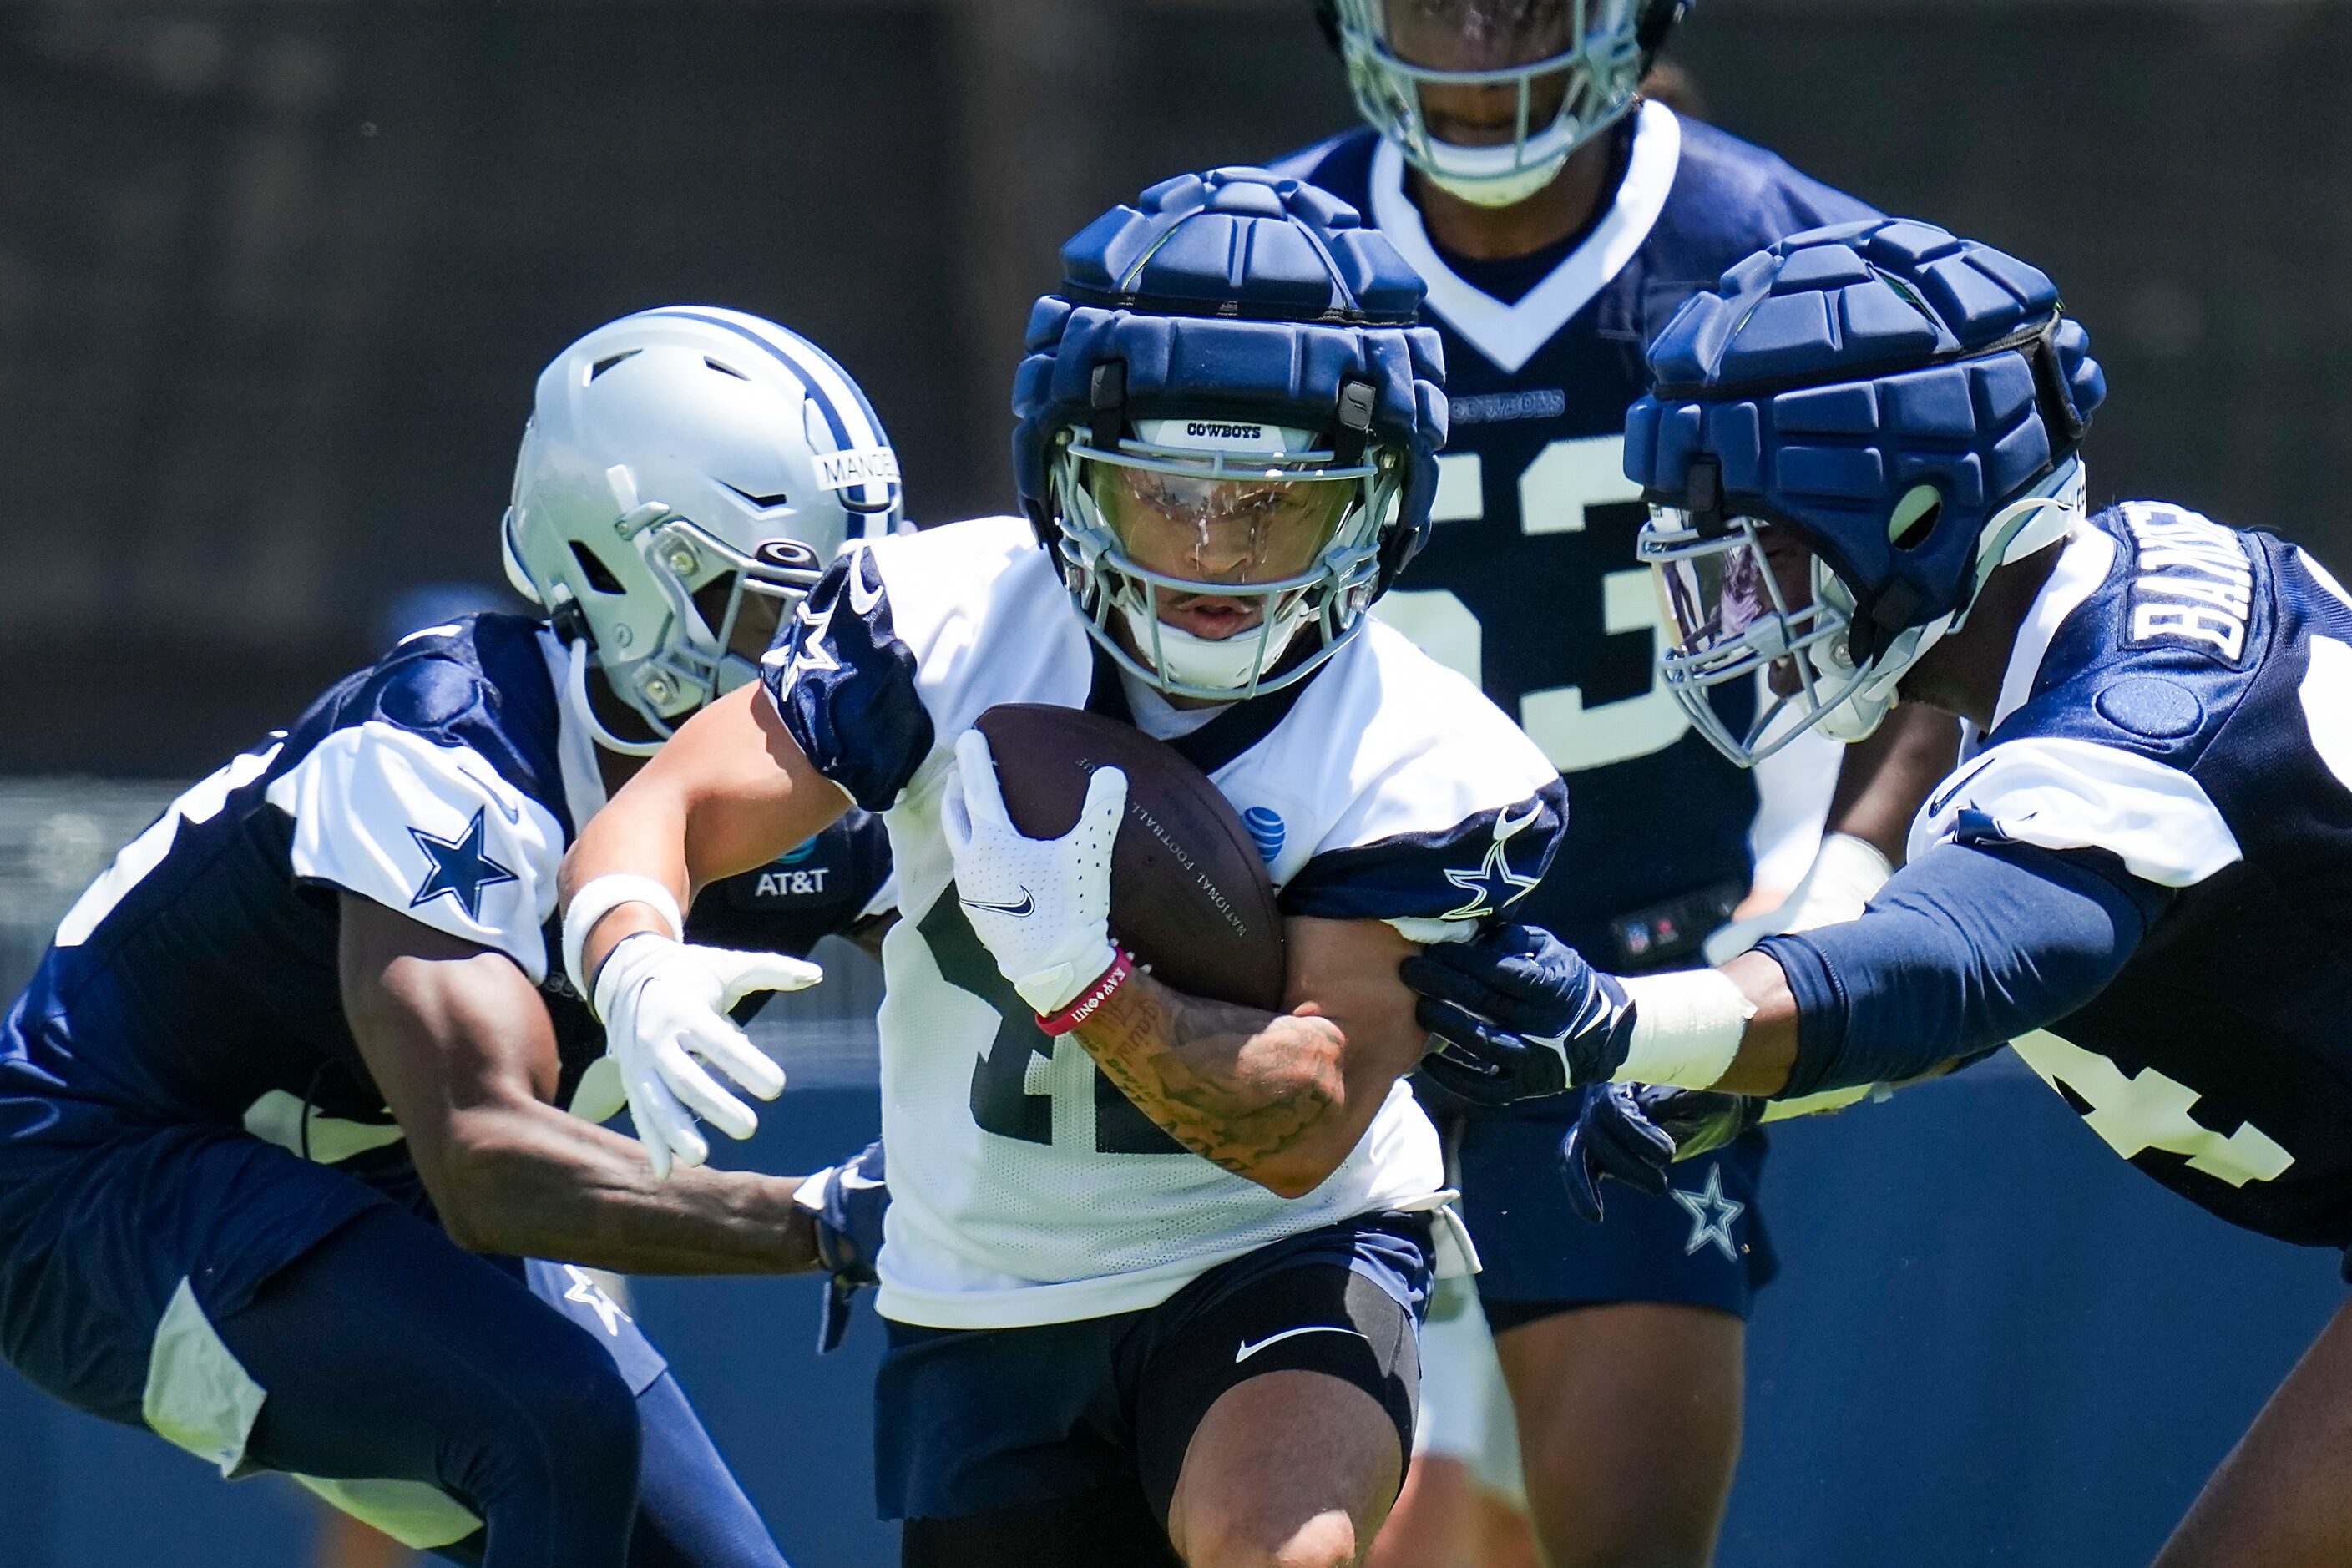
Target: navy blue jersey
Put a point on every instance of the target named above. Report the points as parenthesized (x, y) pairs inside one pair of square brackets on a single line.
[(1529, 584), (196, 980), (2179, 707)]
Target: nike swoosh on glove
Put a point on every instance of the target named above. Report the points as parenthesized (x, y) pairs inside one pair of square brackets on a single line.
[(847, 1201), (1040, 906), (1634, 1131), (664, 1006), (1518, 1015)]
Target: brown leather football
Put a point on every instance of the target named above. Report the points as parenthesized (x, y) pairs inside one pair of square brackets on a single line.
[(1189, 895)]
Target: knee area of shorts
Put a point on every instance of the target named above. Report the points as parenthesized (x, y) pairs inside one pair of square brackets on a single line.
[(582, 1405)]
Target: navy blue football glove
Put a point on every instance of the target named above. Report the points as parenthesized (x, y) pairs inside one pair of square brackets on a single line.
[(1634, 1131), (847, 1201), (1518, 1015)]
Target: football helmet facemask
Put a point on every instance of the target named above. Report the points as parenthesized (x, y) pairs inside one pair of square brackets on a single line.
[(1577, 67)]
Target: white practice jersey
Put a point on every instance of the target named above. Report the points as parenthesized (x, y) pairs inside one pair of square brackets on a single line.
[(1026, 1188)]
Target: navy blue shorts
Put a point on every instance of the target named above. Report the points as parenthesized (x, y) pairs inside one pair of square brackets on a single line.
[(97, 1241), (973, 1423), (1701, 1244)]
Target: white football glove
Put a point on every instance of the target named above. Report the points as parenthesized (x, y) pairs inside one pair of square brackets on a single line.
[(1846, 874), (664, 1004), (1040, 906)]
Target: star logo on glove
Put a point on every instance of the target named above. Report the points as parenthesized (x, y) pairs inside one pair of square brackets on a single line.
[(1494, 884), (457, 869), (1712, 1215)]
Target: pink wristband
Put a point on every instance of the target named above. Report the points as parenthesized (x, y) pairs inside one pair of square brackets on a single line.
[(1091, 998)]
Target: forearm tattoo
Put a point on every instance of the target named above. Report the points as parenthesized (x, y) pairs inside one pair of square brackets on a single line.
[(1230, 1083)]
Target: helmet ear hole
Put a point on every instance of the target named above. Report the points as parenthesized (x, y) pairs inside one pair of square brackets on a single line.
[(599, 576), (1915, 517)]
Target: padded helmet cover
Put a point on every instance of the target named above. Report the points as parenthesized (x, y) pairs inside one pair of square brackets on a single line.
[(1237, 294), (1828, 377)]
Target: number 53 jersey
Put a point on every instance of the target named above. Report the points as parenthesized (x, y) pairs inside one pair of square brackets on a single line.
[(1529, 584), (1026, 1188)]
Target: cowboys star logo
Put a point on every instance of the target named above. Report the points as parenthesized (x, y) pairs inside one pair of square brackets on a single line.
[(1494, 884)]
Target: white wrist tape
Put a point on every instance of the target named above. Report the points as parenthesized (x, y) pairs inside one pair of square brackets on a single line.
[(600, 897), (1686, 1027), (1847, 874)]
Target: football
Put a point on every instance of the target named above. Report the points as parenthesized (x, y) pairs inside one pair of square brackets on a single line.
[(1189, 895)]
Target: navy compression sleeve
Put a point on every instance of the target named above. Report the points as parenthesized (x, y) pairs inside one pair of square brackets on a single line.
[(1966, 947)]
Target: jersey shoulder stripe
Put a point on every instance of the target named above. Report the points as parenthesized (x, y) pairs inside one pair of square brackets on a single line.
[(428, 829), (377, 789), (887, 657), (481, 682)]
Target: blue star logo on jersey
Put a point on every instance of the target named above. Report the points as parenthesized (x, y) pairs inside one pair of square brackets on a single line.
[(457, 869), (1712, 1215), (1494, 884)]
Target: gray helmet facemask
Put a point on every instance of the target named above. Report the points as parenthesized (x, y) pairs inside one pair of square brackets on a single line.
[(1596, 74)]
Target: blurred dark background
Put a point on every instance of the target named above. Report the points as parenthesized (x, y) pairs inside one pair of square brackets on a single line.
[(276, 279)]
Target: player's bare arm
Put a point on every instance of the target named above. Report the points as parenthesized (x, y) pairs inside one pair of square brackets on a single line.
[(1279, 1098), (732, 790), (737, 792), (458, 1040)]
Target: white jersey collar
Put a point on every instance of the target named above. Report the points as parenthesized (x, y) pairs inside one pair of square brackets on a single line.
[(2083, 565), (1510, 334), (575, 754)]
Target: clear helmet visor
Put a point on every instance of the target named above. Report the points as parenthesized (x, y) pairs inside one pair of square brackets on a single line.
[(1712, 598), (1218, 532), (1203, 548)]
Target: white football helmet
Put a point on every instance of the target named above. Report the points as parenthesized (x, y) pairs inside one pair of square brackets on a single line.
[(683, 466)]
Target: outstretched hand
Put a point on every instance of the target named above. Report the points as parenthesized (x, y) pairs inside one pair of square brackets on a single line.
[(1634, 1131), (847, 1201), (1518, 1015), (664, 1006)]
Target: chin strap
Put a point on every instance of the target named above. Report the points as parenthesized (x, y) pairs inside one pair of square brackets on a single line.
[(2024, 526), (575, 695)]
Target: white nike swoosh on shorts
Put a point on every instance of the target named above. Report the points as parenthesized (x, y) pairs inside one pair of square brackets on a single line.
[(1248, 1350)]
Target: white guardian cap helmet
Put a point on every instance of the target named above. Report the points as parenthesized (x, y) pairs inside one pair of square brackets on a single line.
[(687, 473)]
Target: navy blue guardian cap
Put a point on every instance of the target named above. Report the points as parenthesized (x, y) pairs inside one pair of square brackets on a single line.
[(1229, 425), (1908, 406)]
